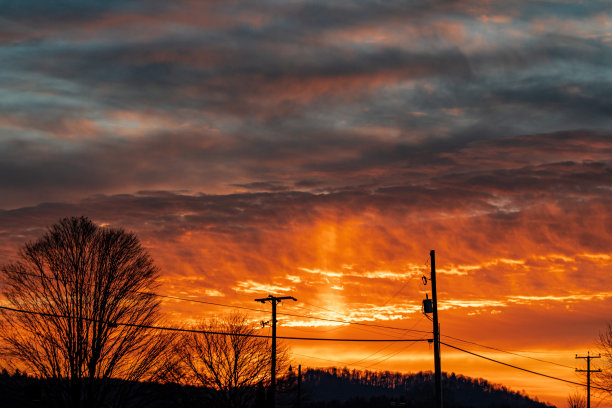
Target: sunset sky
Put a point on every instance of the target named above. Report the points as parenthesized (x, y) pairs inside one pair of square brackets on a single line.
[(320, 149)]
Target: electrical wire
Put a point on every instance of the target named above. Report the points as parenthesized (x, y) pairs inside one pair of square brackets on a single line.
[(405, 283), (351, 322), (178, 329), (389, 355), (264, 311), (360, 326), (384, 357), (327, 359), (336, 321), (498, 349), (164, 296), (378, 351), (522, 369), (508, 352), (373, 354)]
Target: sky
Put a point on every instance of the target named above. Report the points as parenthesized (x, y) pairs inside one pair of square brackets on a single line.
[(321, 149)]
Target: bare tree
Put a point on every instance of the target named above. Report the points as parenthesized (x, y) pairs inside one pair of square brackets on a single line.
[(232, 367), (74, 285), (604, 379), (576, 401)]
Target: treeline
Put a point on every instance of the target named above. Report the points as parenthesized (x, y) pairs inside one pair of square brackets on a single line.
[(20, 390), (344, 388), (320, 388)]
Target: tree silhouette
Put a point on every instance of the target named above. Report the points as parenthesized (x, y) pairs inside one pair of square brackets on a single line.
[(604, 379), (77, 282), (231, 367), (576, 400)]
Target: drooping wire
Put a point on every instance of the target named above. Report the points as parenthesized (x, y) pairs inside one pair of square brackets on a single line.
[(404, 285), (507, 352), (373, 330), (392, 354), (375, 326), (359, 324), (521, 368), (264, 311), (377, 351), (178, 329), (327, 359), (387, 301)]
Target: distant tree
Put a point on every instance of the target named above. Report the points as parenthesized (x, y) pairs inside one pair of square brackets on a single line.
[(604, 379), (232, 367), (74, 285), (576, 400)]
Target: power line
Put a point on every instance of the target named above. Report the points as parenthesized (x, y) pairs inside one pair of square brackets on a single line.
[(311, 305), (261, 310), (520, 368), (373, 354), (452, 337), (389, 355), (160, 296), (178, 329), (405, 283), (355, 363), (363, 324), (367, 329), (376, 352), (348, 321), (338, 361), (327, 359), (329, 320), (351, 340), (507, 352), (356, 323)]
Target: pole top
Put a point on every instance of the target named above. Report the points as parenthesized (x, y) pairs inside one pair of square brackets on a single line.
[(275, 298)]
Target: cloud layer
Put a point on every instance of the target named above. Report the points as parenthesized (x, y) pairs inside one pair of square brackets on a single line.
[(226, 96)]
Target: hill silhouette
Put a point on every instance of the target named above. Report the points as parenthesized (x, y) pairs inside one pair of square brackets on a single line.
[(321, 388), (334, 387)]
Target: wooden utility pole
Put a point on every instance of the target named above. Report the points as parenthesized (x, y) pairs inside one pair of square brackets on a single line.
[(274, 300), (436, 331), (588, 358)]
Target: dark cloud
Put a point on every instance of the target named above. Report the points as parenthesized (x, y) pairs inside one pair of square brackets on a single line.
[(496, 173), (62, 9), (263, 186), (328, 161)]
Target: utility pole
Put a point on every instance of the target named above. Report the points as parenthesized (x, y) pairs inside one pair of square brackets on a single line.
[(436, 331), (274, 300), (588, 358)]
